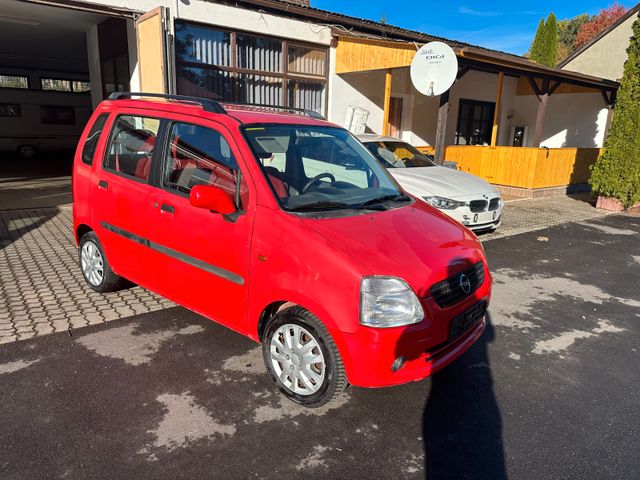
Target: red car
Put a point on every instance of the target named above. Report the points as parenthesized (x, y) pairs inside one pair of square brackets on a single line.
[(280, 226)]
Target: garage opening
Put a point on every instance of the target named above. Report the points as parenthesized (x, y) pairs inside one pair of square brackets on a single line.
[(56, 64)]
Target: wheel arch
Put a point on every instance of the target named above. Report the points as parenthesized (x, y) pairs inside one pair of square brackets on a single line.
[(81, 230)]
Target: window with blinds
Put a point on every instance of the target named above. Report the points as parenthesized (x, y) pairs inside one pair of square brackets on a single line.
[(244, 68)]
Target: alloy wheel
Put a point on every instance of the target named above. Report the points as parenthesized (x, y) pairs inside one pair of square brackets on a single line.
[(92, 263)]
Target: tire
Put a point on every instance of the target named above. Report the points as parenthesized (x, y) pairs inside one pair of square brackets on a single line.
[(95, 267), (27, 151), (313, 385)]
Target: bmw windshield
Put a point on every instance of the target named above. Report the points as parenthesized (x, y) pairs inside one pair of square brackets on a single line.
[(317, 168), (399, 155)]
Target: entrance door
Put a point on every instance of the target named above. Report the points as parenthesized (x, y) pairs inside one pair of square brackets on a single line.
[(151, 33), (475, 121), (395, 117), (203, 255)]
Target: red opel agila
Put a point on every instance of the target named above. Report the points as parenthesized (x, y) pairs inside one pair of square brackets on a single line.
[(280, 226)]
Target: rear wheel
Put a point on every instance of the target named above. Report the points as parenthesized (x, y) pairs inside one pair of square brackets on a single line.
[(95, 268), (302, 358), (27, 151)]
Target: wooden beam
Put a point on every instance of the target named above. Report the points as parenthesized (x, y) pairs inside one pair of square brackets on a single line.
[(554, 87), (609, 97), (496, 112), (387, 102), (462, 71), (534, 86), (441, 129), (542, 107)]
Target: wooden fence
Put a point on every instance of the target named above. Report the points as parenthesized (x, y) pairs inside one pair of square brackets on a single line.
[(525, 167)]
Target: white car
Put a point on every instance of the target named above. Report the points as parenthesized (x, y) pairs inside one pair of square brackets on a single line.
[(464, 197)]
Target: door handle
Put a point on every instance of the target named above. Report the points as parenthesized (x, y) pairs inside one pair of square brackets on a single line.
[(103, 184), (168, 208)]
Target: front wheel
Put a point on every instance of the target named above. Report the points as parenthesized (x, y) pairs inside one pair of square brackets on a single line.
[(302, 358)]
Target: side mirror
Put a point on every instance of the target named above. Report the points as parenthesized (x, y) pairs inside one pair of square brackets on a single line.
[(211, 198)]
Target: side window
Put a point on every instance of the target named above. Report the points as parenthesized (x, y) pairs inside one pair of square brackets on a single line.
[(133, 140), (91, 142), (200, 156)]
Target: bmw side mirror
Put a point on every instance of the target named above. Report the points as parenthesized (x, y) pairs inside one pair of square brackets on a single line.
[(211, 198)]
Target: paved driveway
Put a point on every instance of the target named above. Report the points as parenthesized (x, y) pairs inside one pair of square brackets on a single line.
[(42, 290), (550, 391)]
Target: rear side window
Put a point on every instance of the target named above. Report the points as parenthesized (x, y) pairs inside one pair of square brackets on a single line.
[(91, 142), (132, 143), (200, 156)]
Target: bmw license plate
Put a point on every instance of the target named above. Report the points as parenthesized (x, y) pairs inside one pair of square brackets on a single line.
[(466, 320)]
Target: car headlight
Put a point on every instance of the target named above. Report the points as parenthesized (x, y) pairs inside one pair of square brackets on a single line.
[(443, 203), (388, 302)]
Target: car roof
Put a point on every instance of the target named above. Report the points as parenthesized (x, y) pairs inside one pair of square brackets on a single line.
[(249, 114), (373, 137), (245, 114)]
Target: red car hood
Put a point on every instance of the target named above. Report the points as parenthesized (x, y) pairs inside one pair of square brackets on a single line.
[(416, 243)]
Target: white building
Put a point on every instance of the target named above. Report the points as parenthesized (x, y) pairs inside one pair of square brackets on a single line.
[(283, 52)]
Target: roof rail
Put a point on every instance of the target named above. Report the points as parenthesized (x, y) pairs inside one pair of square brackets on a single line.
[(308, 113), (206, 104)]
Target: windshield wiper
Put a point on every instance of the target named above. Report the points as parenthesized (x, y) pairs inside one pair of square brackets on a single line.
[(328, 205), (398, 197)]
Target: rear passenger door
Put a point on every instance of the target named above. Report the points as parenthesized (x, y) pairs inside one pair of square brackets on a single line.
[(204, 255), (120, 196)]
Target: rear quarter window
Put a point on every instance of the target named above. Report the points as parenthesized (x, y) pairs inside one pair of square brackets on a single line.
[(90, 144)]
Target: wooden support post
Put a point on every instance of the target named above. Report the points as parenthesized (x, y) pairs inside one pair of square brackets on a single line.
[(387, 102), (543, 99), (496, 112), (441, 129)]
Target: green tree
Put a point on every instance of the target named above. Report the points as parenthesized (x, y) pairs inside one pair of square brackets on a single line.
[(616, 173), (535, 52), (550, 56)]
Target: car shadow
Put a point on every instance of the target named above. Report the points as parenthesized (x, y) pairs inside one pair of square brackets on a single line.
[(461, 423)]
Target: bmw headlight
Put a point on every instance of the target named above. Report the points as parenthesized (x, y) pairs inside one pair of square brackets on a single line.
[(388, 302), (443, 203)]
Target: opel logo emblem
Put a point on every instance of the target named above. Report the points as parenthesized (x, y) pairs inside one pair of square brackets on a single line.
[(465, 283)]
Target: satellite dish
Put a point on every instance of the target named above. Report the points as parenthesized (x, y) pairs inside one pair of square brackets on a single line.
[(434, 68)]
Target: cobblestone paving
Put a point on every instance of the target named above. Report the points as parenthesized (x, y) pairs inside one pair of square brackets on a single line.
[(41, 287), (521, 216)]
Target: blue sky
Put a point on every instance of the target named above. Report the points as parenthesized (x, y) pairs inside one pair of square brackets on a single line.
[(501, 25)]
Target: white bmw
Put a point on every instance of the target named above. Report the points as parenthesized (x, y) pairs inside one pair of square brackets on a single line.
[(464, 197)]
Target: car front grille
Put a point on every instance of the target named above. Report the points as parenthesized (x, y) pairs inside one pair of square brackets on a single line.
[(451, 291), (477, 206), (494, 203)]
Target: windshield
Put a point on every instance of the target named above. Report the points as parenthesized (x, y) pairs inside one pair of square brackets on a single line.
[(320, 168), (399, 155)]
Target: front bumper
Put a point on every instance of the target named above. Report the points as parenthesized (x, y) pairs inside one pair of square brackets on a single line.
[(425, 347), (488, 219)]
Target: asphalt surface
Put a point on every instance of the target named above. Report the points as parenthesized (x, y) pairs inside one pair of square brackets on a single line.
[(552, 389)]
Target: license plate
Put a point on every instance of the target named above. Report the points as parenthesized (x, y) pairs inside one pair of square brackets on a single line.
[(466, 320)]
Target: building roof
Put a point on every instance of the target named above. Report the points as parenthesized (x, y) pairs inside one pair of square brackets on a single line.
[(609, 29), (347, 25)]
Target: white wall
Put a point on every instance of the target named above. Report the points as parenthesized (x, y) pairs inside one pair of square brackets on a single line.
[(571, 120), (364, 90), (232, 17)]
